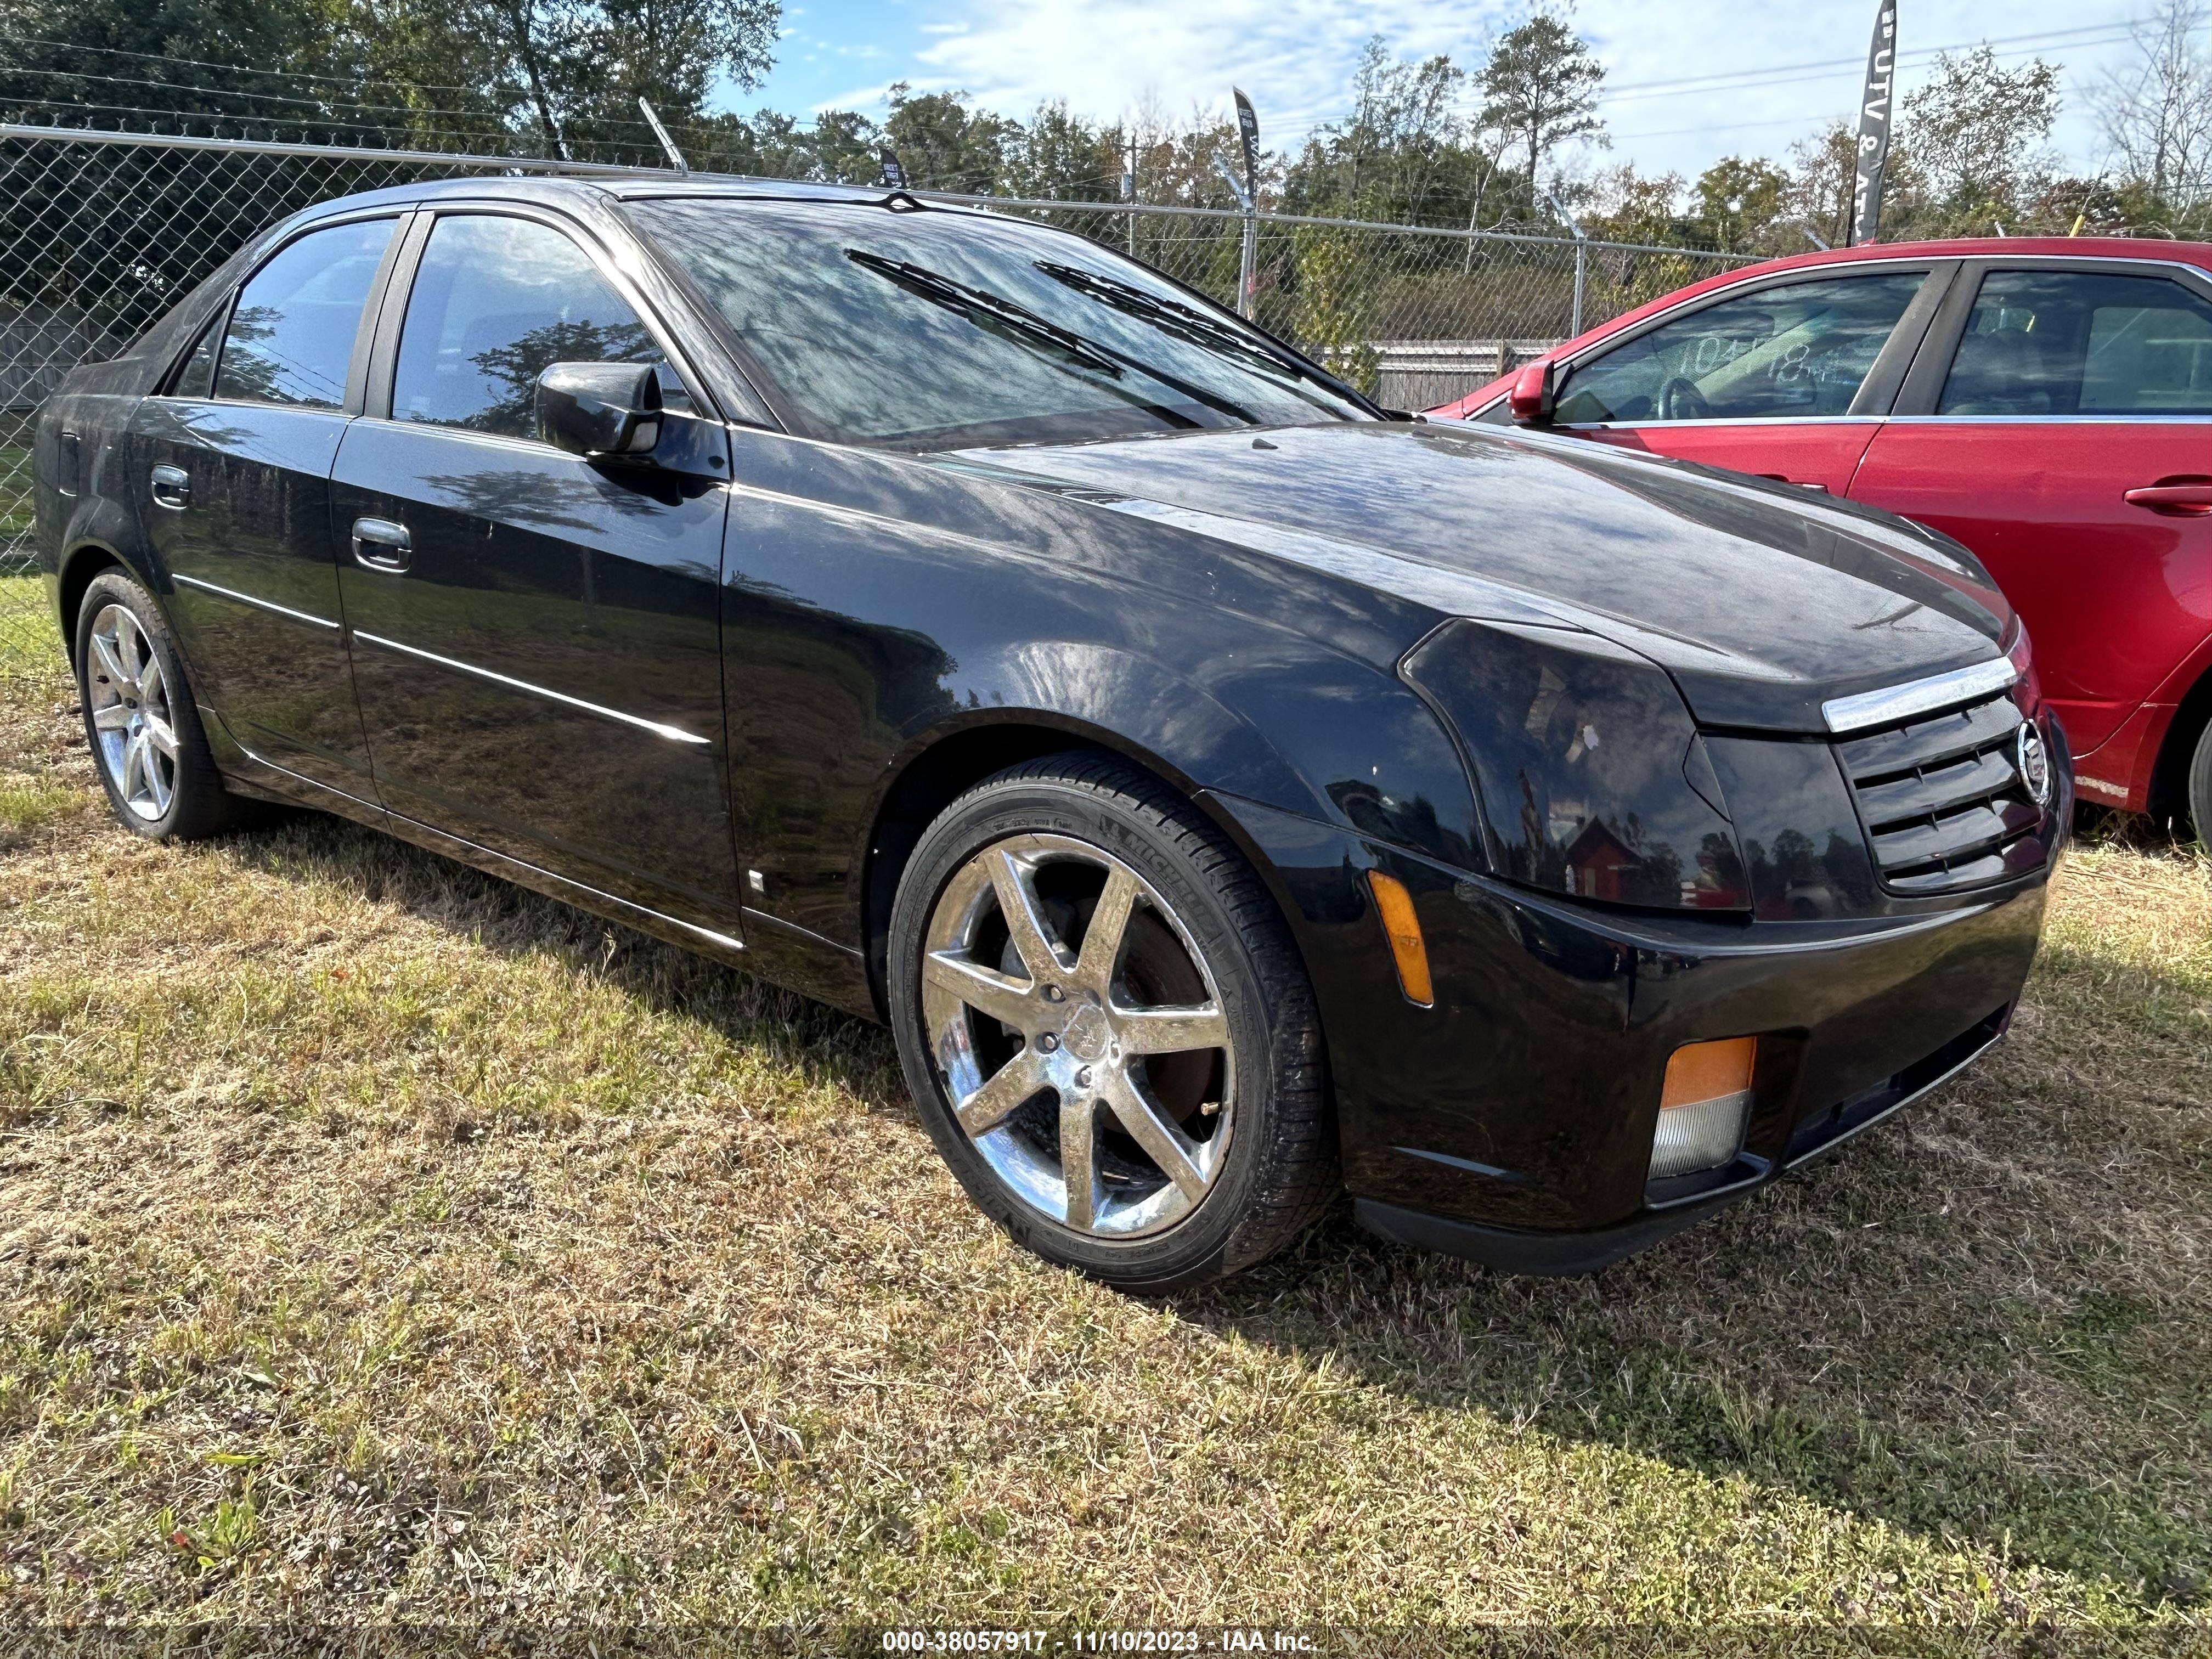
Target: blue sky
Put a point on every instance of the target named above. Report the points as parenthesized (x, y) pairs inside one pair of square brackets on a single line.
[(1759, 75)]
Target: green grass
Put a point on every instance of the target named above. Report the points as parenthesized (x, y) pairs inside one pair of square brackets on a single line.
[(15, 489), (377, 1241), (30, 649)]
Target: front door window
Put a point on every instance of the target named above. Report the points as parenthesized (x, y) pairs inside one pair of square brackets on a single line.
[(1796, 349)]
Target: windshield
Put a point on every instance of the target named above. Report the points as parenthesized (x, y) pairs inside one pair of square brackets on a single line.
[(920, 330)]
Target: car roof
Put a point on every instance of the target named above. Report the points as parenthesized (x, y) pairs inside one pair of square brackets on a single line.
[(550, 189)]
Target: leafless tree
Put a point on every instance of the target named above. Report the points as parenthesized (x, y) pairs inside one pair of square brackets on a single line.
[(1980, 133), (2157, 112)]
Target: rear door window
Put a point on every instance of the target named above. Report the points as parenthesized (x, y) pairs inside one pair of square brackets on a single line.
[(2059, 343), (1796, 349), (291, 334), (497, 299)]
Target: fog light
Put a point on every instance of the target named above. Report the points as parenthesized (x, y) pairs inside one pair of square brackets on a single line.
[(1704, 1106)]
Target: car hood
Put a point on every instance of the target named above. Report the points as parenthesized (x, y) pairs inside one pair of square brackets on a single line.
[(1761, 602)]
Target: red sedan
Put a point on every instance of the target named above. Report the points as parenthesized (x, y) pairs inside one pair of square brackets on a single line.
[(2046, 402)]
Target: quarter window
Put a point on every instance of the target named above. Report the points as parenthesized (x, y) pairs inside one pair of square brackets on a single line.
[(497, 299), (2082, 342), (1802, 349), (291, 334), (196, 378)]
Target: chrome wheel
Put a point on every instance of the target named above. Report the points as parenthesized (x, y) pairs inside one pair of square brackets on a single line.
[(128, 699), (1080, 1034)]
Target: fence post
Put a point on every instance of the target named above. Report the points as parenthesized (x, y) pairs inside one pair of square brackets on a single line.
[(1247, 279), (1581, 264)]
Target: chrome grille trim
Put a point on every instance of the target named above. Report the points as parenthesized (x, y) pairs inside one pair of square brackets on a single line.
[(1897, 703), (1942, 798)]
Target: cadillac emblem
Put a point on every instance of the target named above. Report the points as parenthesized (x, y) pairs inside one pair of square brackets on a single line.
[(2034, 761)]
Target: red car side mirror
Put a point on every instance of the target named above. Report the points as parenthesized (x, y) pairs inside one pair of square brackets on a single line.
[(1530, 400)]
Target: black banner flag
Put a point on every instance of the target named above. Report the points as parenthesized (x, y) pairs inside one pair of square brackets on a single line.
[(1877, 109), (1248, 123)]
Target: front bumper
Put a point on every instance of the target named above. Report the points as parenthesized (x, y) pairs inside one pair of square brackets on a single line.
[(1553, 1255), (1513, 1121)]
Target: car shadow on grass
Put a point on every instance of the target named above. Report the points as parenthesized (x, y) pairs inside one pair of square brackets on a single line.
[(790, 1030), (1988, 1320)]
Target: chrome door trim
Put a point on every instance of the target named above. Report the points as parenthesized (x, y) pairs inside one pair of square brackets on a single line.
[(248, 599), (1900, 703), (2204, 419), (1721, 420), (672, 733)]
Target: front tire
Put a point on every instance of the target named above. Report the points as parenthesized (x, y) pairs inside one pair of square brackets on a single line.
[(1107, 1028), (139, 719)]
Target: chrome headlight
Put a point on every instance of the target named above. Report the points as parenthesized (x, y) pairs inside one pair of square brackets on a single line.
[(1588, 768)]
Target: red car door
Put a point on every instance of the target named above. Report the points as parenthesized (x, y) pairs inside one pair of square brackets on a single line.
[(1786, 377), (2058, 422)]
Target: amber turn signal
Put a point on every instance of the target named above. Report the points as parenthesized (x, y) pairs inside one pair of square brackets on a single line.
[(1703, 1106), (1702, 1071), (1396, 905)]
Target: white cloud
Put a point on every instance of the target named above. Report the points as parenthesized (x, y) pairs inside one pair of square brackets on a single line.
[(1295, 57)]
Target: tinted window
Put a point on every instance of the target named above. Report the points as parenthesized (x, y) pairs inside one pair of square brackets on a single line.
[(196, 379), (1802, 348), (2082, 342), (291, 333), (928, 330), (495, 300)]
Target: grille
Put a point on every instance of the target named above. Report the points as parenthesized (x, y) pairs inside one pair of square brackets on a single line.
[(1943, 801)]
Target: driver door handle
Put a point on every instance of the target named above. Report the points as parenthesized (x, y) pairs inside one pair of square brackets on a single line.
[(380, 544), (2177, 498), (173, 488)]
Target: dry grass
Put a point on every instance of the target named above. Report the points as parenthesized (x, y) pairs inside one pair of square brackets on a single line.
[(379, 1242)]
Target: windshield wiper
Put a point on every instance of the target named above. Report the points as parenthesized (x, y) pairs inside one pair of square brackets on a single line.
[(1183, 322), (958, 296), (981, 304)]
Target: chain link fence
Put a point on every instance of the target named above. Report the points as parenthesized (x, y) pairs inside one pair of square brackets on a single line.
[(100, 232)]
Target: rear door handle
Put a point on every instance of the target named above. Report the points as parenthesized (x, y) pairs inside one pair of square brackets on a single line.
[(1801, 484), (2177, 498), (380, 544), (173, 488)]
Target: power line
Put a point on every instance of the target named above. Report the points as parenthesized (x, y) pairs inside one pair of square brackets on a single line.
[(1731, 80), (1787, 120), (227, 68)]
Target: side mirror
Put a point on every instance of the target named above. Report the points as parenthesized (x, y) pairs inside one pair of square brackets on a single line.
[(1531, 399), (599, 410)]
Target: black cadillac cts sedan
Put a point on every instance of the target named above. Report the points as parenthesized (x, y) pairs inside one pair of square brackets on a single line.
[(1229, 792)]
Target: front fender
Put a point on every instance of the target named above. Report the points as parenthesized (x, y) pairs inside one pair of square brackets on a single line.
[(858, 640)]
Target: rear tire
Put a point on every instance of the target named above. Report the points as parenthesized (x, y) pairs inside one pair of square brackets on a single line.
[(2200, 788), (140, 721), (1149, 1107)]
